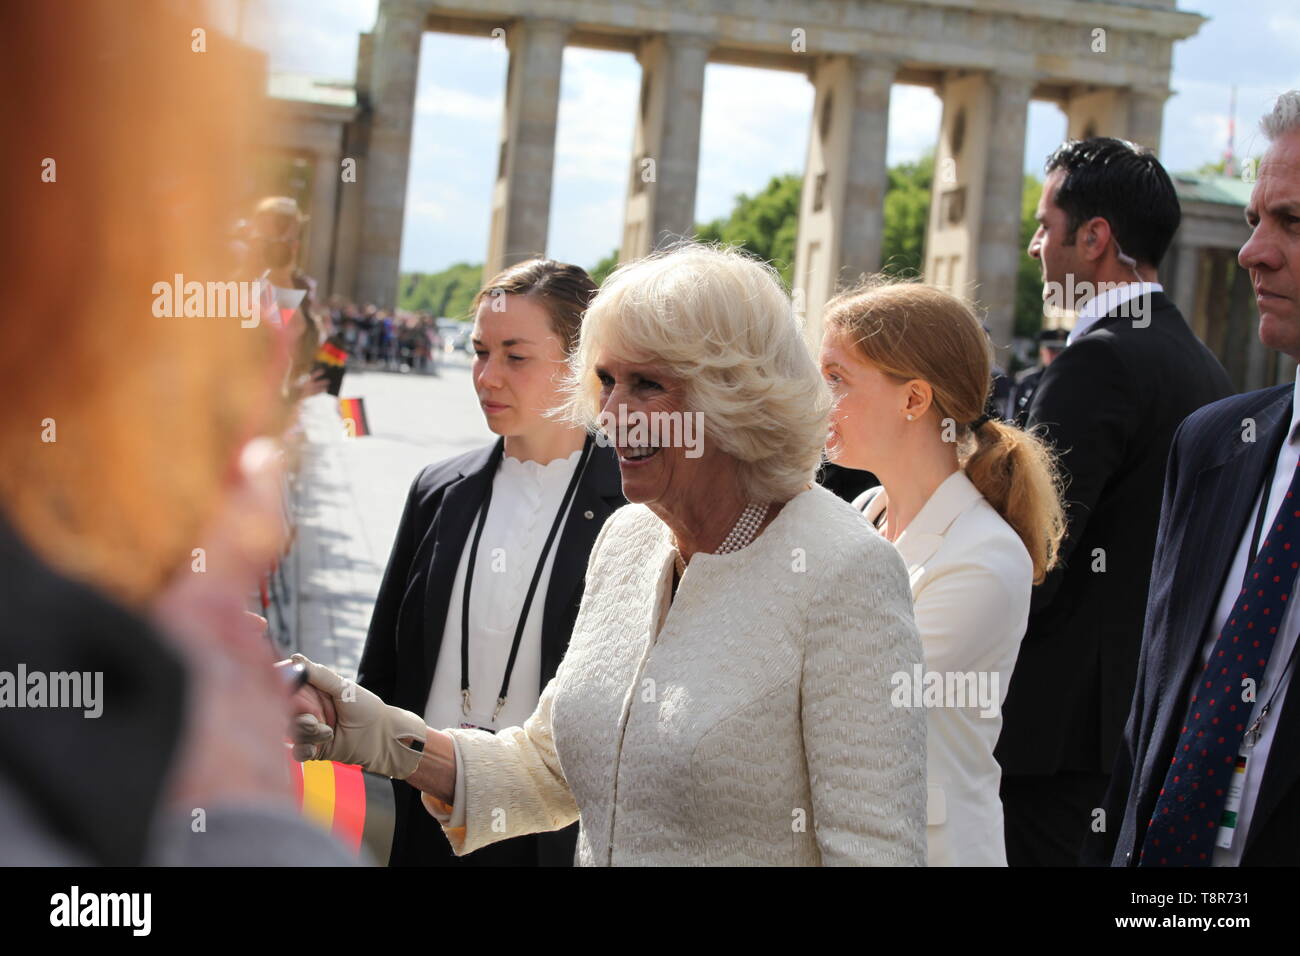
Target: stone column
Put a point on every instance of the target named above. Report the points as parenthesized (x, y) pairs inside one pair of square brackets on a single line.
[(999, 251), (1096, 112), (666, 149), (323, 227), (1187, 276), (394, 67), (521, 198), (1146, 112), (841, 211)]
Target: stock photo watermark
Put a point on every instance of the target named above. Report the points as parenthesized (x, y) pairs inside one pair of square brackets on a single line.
[(956, 689), (75, 690), (647, 432)]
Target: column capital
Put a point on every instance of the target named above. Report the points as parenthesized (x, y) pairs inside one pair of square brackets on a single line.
[(1016, 84), (690, 40), (399, 10), (538, 24), (1153, 92), (871, 60)]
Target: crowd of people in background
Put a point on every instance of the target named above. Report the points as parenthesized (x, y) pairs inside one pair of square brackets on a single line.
[(393, 340)]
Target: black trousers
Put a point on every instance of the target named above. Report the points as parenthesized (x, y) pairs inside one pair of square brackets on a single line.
[(1048, 817)]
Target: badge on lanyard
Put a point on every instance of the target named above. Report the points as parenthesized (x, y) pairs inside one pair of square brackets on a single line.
[(1228, 822)]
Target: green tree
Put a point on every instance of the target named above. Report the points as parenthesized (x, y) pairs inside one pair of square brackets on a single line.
[(447, 293), (1029, 276), (601, 270), (907, 212), (765, 224)]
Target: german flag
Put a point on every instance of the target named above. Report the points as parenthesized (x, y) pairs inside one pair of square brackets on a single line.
[(357, 807), (353, 413), (331, 354)]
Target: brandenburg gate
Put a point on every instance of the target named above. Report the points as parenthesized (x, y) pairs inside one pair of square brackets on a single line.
[(1106, 64)]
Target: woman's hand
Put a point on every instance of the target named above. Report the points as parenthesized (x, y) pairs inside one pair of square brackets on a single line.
[(364, 729)]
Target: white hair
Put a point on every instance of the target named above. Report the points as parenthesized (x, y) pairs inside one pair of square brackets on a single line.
[(1285, 117), (721, 322)]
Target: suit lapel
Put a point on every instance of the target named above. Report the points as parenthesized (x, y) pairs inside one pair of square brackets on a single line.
[(598, 494), (924, 536), (1223, 497), (460, 505)]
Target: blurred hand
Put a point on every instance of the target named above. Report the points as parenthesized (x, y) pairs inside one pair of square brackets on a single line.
[(318, 383), (233, 749)]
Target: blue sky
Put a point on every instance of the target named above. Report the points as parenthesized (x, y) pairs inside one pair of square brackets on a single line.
[(755, 121)]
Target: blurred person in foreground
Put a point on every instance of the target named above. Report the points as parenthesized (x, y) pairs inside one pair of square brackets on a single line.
[(116, 473)]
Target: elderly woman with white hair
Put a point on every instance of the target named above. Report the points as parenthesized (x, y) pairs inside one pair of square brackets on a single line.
[(725, 698)]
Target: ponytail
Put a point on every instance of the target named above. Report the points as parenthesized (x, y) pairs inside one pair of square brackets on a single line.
[(1015, 472)]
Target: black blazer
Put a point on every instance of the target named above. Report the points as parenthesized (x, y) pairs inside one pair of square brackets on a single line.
[(1110, 404), (1213, 479), (405, 633)]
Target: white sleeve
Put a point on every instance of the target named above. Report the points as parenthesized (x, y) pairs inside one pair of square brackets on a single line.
[(507, 784), (866, 757)]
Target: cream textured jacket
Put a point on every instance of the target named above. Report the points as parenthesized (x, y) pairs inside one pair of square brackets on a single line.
[(747, 723), (971, 580)]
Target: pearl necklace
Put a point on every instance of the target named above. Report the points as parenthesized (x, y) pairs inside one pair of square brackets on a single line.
[(742, 532)]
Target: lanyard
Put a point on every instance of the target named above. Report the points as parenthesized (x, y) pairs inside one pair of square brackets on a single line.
[(532, 587)]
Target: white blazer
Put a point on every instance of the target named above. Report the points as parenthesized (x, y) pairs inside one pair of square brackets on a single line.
[(747, 723), (971, 578)]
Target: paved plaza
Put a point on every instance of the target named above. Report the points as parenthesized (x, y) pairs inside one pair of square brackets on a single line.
[(352, 490)]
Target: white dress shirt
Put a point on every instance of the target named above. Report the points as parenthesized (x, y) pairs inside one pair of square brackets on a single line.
[(1286, 639), (1106, 303), (525, 498)]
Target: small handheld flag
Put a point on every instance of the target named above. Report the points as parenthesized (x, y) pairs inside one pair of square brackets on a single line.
[(353, 413)]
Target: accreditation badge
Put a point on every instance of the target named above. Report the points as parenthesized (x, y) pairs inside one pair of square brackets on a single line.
[(473, 720), (1228, 821)]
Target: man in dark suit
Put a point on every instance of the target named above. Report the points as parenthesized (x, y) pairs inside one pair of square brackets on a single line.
[(1109, 404), (1216, 608), (406, 629)]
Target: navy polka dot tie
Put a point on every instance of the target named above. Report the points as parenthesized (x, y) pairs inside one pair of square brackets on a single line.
[(1183, 828)]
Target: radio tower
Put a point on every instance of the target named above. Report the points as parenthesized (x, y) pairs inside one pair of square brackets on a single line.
[(1229, 156)]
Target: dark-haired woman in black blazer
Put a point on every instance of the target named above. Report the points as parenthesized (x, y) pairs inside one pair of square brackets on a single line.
[(516, 521)]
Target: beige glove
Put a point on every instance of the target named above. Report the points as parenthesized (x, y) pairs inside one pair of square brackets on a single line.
[(368, 731)]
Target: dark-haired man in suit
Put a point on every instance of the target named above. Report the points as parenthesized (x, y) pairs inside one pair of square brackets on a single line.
[(1208, 772), (1131, 372)]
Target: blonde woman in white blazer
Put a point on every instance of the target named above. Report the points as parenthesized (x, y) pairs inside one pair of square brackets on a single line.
[(973, 506), (725, 698)]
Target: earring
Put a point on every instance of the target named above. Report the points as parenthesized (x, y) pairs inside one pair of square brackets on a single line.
[(909, 418)]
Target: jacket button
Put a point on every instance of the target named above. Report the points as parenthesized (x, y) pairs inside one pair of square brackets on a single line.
[(589, 514)]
